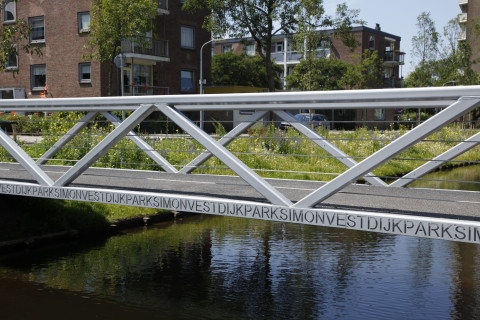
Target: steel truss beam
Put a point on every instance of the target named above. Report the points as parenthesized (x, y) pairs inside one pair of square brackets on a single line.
[(438, 161), (224, 141), (216, 149), (103, 146), (24, 159), (327, 146), (444, 117), (144, 146), (67, 137)]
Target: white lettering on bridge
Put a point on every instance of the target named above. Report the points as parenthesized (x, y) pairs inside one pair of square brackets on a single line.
[(436, 228)]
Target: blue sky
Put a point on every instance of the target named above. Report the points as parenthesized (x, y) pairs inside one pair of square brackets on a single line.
[(399, 17)]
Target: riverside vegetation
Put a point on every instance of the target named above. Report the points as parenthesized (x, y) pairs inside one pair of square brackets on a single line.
[(271, 152)]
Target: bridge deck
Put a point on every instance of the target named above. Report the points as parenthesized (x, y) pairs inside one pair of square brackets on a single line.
[(421, 202)]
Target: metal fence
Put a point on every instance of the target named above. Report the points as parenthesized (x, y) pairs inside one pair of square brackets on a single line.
[(257, 136)]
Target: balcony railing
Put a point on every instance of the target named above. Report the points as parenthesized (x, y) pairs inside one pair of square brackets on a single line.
[(462, 2), (392, 83), (463, 17), (141, 90), (462, 36), (157, 48), (394, 57), (294, 56)]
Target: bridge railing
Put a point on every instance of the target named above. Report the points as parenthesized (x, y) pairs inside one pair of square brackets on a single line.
[(257, 136)]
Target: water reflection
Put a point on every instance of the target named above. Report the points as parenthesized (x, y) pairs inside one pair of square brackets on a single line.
[(227, 268), (463, 178)]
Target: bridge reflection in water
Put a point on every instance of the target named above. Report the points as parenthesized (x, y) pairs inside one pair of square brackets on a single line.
[(378, 207), (229, 268)]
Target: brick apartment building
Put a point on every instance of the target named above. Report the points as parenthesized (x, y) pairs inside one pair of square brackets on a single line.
[(387, 45), (468, 18), (169, 65)]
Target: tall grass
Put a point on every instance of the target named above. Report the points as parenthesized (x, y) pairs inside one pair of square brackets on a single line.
[(271, 152)]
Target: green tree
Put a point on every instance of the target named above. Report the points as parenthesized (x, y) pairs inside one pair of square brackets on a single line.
[(15, 37), (239, 69), (425, 49), (318, 74), (367, 74), (262, 20), (113, 21)]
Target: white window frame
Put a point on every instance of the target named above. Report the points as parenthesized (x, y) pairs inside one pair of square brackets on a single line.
[(183, 33), (250, 49), (372, 39), (192, 72), (31, 20), (81, 27), (80, 72), (33, 67), (227, 48), (4, 11)]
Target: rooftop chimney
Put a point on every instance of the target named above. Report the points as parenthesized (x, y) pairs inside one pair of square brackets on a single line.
[(377, 27)]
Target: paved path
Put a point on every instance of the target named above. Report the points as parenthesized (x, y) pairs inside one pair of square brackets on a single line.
[(424, 202)]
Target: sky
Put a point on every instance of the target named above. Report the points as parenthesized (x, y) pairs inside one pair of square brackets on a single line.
[(399, 17)]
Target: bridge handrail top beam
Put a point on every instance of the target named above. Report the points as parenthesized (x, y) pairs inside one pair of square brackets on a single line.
[(303, 97)]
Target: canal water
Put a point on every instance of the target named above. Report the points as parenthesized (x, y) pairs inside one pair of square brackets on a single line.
[(208, 267)]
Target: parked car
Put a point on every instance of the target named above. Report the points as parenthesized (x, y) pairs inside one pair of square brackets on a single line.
[(308, 119)]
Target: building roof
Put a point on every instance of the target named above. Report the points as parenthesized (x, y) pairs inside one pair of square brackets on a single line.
[(328, 31)]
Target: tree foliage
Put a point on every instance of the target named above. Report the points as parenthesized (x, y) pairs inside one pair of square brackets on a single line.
[(318, 74), (262, 20), (333, 74), (451, 65), (113, 21), (15, 37), (239, 69)]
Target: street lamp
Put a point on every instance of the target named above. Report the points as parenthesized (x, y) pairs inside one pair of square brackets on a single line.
[(201, 79)]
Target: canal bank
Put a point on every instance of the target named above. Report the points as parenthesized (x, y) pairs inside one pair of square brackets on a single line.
[(31, 222)]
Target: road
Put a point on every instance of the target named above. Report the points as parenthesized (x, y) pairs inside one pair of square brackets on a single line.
[(455, 204)]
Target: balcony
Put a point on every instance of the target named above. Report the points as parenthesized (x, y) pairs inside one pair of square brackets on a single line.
[(295, 57), (163, 7), (462, 2), (394, 58), (142, 90), (156, 50), (392, 83), (462, 36), (463, 17)]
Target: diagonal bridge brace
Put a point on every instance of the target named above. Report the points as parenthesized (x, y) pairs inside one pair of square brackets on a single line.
[(144, 146), (24, 159), (438, 121), (327, 146), (229, 159), (224, 141), (438, 161), (103, 146), (67, 137)]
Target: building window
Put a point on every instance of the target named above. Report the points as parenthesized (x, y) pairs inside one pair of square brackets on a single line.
[(187, 38), (277, 47), (85, 72), (38, 76), (250, 49), (83, 22), (227, 48), (371, 42), (9, 11), (187, 83), (38, 29), (12, 61), (379, 114)]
